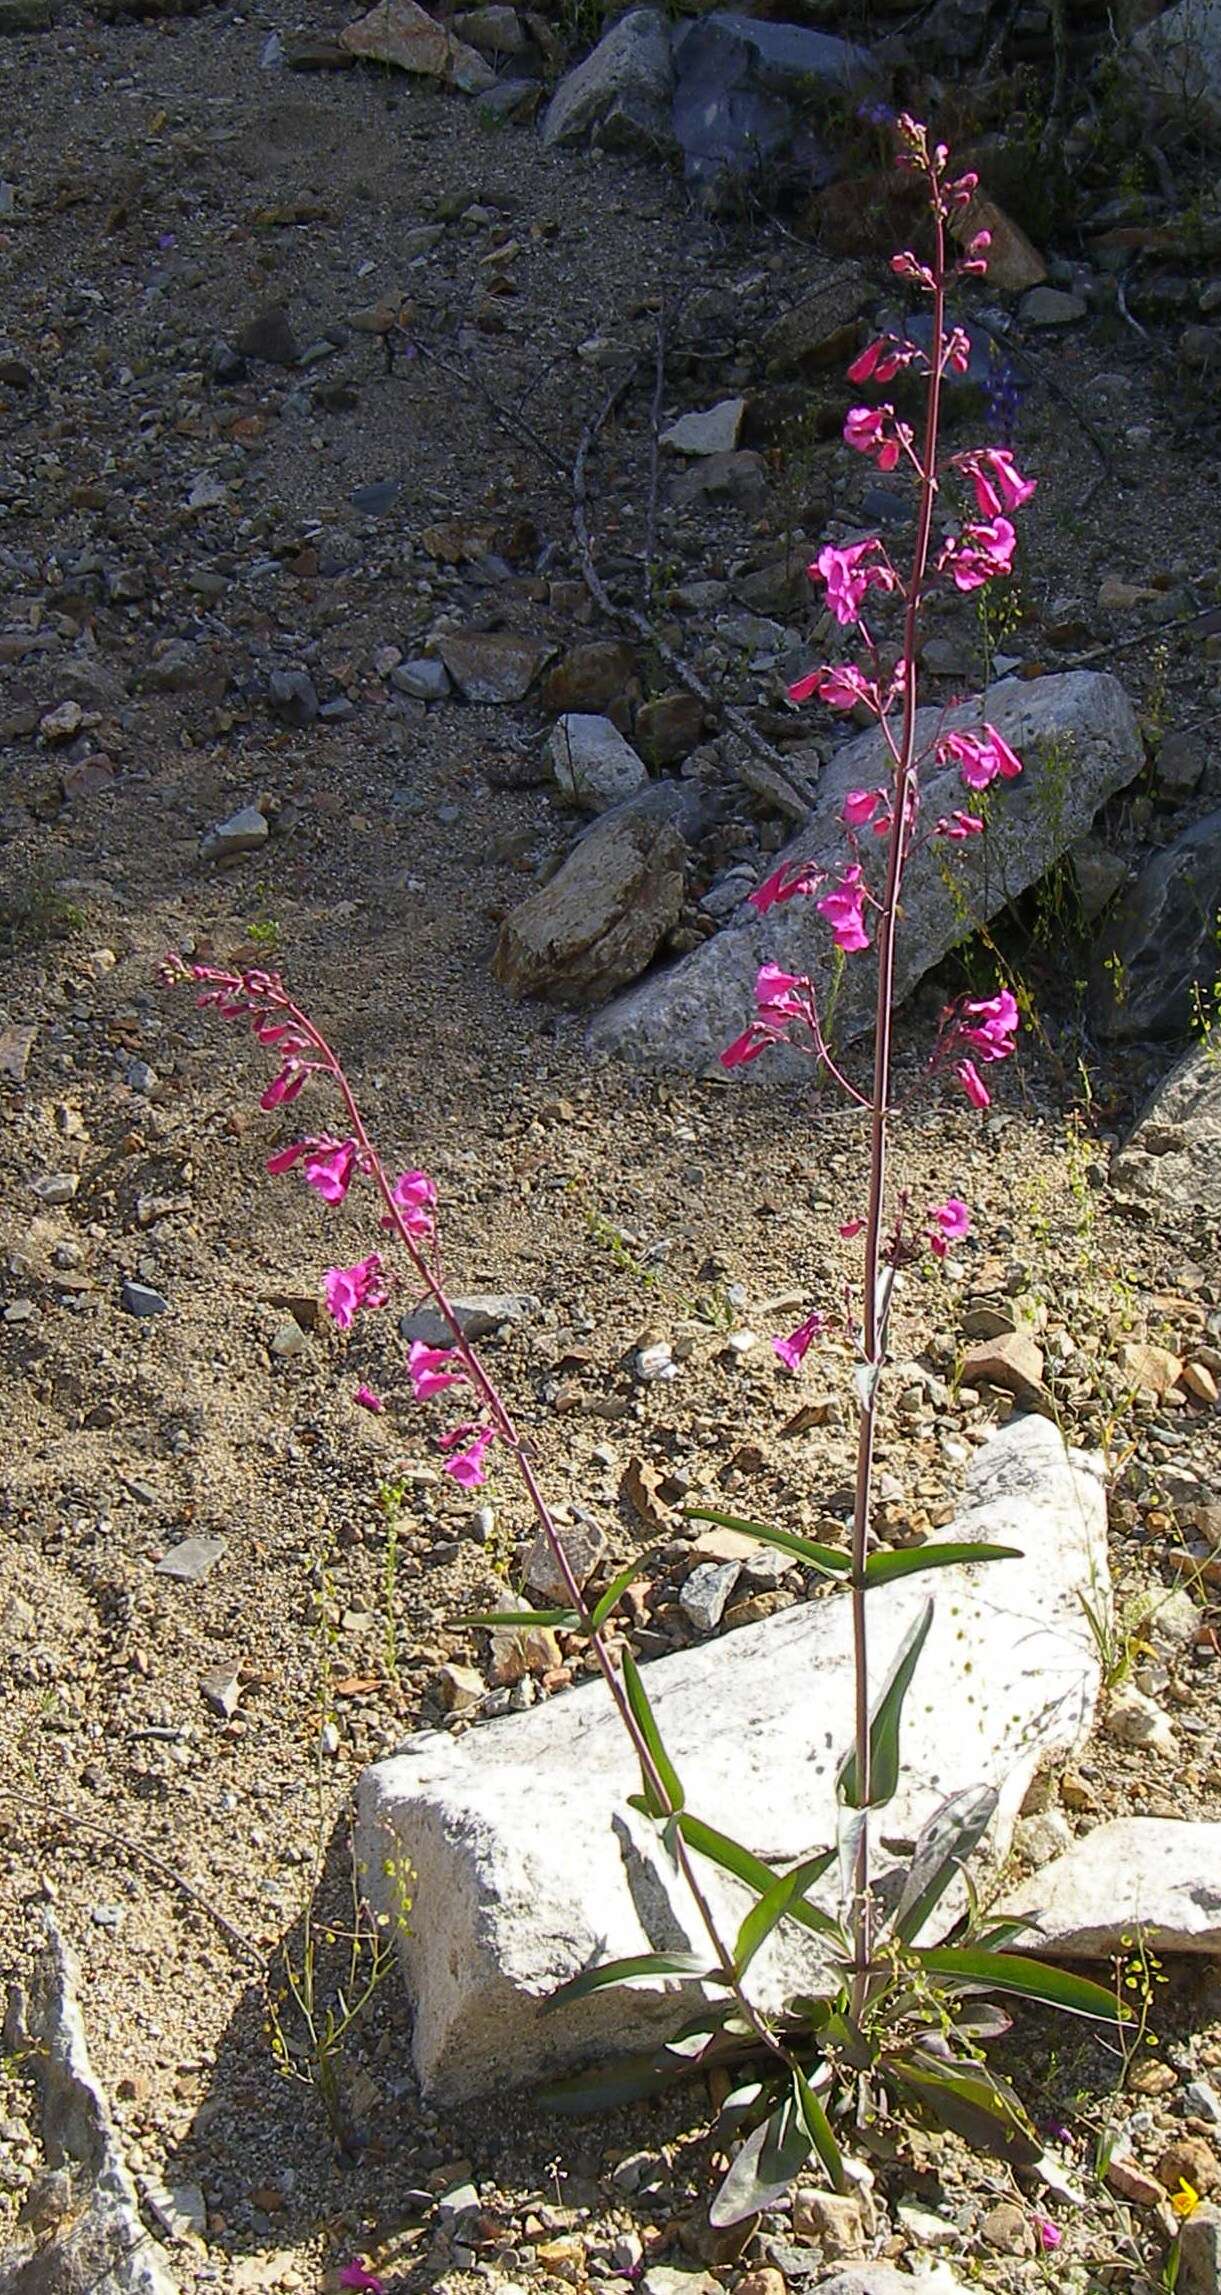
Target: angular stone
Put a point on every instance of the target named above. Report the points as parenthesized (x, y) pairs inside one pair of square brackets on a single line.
[(1098, 874), (495, 30), (1200, 2251), (141, 1299), (1161, 940), (593, 764), (592, 678), (584, 1545), (1153, 1368), (243, 832), (293, 696), (1134, 1719), (1177, 59), (492, 667), (530, 1866), (668, 729), (1151, 1873), (16, 1045), (191, 1559), (423, 680), (714, 431), (600, 919), (479, 1313), (1173, 1156), (268, 336), (746, 93), (1051, 307), (622, 89), (398, 32), (811, 334), (1014, 262), (1080, 742), (1012, 1361), (739, 479)]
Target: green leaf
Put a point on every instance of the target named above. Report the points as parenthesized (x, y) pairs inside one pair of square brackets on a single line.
[(972, 2101), (609, 2085), (946, 1842), (617, 1588), (642, 1714), (818, 2128), (830, 1559), (733, 1858), (695, 2037), (884, 1725), (1030, 1979), (764, 2168), (492, 1618), (738, 2106), (639, 1964), (773, 1905), (880, 1569)]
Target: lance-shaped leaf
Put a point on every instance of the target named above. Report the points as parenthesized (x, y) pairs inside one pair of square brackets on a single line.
[(637, 1966), (831, 1559), (971, 2100), (910, 1561), (773, 1905), (946, 1842), (492, 1618), (697, 2037), (607, 2085), (733, 1858), (884, 1724), (618, 1587), (767, 2164), (818, 2128), (1030, 1979), (642, 1714)]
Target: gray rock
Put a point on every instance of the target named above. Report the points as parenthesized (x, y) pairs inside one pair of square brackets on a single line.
[(424, 680), (1154, 1874), (739, 479), (293, 696), (1200, 2251), (622, 90), (191, 1559), (494, 30), (1173, 1157), (141, 1299), (601, 918), (243, 832), (702, 1596), (56, 1187), (1098, 874), (1161, 940), (97, 2240), (269, 337), (1080, 742), (584, 1546), (492, 667), (812, 334), (1177, 60), (1051, 307), (744, 93), (714, 431), (593, 764), (173, 669), (529, 1864), (480, 1313)]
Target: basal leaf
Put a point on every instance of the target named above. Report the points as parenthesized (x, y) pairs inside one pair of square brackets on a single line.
[(951, 1833), (492, 1618), (773, 1905), (910, 1561), (1030, 1979), (642, 1713), (764, 2168), (830, 1559), (884, 1725), (818, 2128), (639, 1964), (970, 2100), (606, 2086)]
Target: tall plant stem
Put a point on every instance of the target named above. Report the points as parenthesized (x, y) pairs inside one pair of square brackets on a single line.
[(875, 1307)]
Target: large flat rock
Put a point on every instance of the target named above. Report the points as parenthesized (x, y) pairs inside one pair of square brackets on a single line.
[(1151, 1876), (529, 1866), (1079, 739), (1173, 1157)]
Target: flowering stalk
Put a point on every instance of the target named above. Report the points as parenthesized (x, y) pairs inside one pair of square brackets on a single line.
[(330, 1166)]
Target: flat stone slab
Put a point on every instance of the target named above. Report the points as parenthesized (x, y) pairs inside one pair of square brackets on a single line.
[(1079, 741), (527, 1865), (1173, 1157), (1146, 1875)]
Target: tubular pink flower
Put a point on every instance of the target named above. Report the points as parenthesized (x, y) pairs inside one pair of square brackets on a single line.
[(998, 483), (791, 881), (958, 825), (905, 266), (367, 1399), (958, 351), (951, 1223), (841, 686), (880, 361), (776, 994), (793, 1350), (348, 1289), (979, 554), (467, 1466), (414, 1195), (365, 2282), (994, 1023), (865, 429), (329, 1167), (432, 1369), (980, 757), (859, 806), (849, 578), (285, 1086), (842, 910), (1050, 2234), (851, 1228), (973, 1084)]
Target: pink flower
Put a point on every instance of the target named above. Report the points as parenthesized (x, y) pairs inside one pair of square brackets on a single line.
[(842, 910), (348, 1289), (958, 825), (793, 1350), (849, 578), (791, 880), (367, 1399), (973, 1084), (841, 687), (467, 1465), (905, 266), (980, 757), (329, 1168), (851, 1228), (432, 1369), (414, 1196), (979, 554), (963, 191), (748, 1045), (952, 1222), (1050, 2234), (993, 1026), (364, 2281), (975, 262), (865, 429), (859, 806), (880, 361), (999, 484), (776, 994), (285, 1086), (958, 351)]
